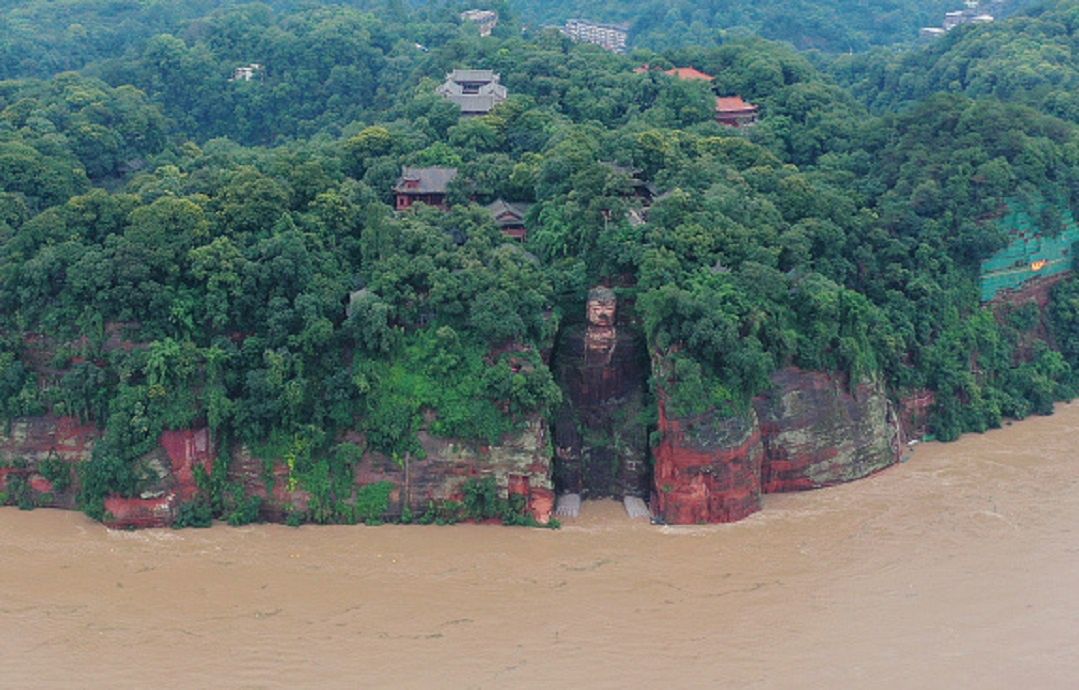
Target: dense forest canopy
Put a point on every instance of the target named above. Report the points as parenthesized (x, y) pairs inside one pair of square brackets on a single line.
[(178, 246), (829, 25), (43, 38), (1031, 59)]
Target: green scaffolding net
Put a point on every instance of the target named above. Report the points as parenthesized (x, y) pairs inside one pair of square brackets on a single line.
[(1029, 254)]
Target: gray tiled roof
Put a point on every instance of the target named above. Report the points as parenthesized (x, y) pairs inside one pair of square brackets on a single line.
[(486, 91), (434, 180), (499, 207), (472, 75)]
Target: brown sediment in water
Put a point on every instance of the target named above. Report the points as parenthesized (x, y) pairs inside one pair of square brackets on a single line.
[(956, 569)]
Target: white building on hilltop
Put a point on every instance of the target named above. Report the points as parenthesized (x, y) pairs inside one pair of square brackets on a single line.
[(610, 36), (246, 72)]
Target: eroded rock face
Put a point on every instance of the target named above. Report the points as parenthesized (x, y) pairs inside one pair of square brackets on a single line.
[(1039, 293), (807, 432), (31, 441), (186, 450), (817, 433), (914, 413), (179, 453), (36, 439), (520, 465), (269, 480), (707, 468), (140, 513)]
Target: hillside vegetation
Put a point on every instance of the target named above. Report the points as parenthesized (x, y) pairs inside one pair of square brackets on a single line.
[(241, 238), (1032, 58), (836, 26)]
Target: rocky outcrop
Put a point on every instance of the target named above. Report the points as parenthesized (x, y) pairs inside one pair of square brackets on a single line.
[(139, 513), (269, 481), (35, 439), (807, 432), (520, 465), (707, 468), (818, 433), (172, 482), (600, 438), (187, 450), (29, 442), (33, 442)]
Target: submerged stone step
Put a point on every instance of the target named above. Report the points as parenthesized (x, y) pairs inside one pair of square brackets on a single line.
[(636, 507), (568, 505)]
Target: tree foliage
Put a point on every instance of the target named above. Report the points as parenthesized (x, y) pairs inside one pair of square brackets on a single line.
[(177, 248)]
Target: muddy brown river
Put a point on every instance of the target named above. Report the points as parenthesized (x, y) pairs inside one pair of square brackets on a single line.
[(957, 569)]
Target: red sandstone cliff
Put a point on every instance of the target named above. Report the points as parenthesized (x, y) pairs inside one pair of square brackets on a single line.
[(707, 468), (31, 441), (520, 466), (807, 432), (817, 433)]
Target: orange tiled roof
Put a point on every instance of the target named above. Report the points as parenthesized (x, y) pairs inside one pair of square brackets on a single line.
[(730, 104), (689, 74)]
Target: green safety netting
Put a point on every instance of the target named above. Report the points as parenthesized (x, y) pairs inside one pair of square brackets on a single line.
[(1029, 254)]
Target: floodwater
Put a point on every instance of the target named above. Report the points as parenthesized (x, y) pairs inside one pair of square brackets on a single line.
[(958, 569)]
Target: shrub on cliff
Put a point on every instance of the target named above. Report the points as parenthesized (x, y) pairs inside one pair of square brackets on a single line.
[(470, 396), (194, 514), (57, 471)]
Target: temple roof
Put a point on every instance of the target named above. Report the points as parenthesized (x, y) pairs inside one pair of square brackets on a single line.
[(434, 180), (499, 208), (689, 74), (733, 104)]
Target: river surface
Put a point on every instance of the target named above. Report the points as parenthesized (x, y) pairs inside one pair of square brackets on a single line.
[(957, 569)]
